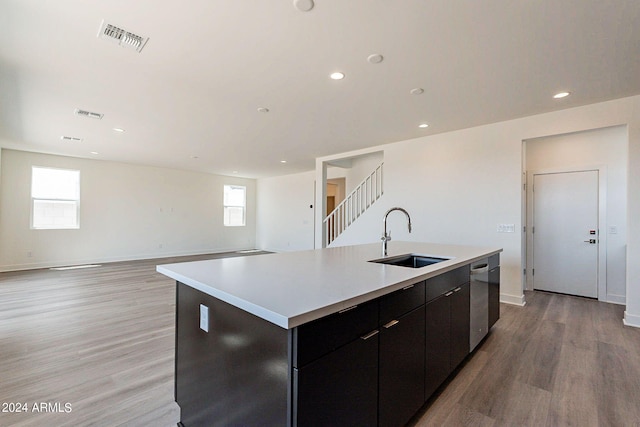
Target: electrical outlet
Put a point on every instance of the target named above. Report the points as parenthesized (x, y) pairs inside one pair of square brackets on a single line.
[(506, 228), (204, 317)]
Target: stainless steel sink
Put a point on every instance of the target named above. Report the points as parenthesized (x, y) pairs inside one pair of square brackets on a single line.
[(410, 260)]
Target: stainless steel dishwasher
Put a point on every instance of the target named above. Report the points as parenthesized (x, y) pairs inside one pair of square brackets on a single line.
[(479, 302)]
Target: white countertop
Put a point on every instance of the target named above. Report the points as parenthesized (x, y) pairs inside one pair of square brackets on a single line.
[(292, 288)]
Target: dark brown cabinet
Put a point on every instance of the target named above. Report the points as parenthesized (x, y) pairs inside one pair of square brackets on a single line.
[(374, 364), (446, 327), (459, 325), (438, 343), (235, 374), (340, 388), (494, 289), (335, 369), (401, 371)]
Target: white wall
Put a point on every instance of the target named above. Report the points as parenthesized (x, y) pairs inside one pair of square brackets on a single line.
[(632, 312), (359, 168), (285, 222), (126, 212), (605, 148), (459, 185)]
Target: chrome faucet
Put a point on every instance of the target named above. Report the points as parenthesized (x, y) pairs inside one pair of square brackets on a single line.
[(387, 236)]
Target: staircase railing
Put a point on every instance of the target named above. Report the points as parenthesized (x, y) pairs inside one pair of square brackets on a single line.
[(354, 205)]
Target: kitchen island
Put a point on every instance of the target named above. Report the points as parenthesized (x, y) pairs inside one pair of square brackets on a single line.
[(322, 337)]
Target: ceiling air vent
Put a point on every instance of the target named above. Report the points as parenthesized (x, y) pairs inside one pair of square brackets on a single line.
[(70, 138), (122, 37), (89, 114)]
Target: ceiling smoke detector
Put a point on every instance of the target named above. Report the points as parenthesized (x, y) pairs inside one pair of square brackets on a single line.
[(89, 114), (122, 37)]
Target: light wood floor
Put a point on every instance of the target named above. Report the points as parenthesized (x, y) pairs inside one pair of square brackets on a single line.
[(558, 361), (102, 339)]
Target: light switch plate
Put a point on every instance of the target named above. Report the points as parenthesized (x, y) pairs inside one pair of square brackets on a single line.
[(204, 317)]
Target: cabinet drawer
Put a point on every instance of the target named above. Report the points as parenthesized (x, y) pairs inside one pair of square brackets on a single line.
[(401, 302), (319, 337), (443, 283)]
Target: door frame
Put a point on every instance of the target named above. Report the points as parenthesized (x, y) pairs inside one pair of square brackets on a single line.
[(602, 223)]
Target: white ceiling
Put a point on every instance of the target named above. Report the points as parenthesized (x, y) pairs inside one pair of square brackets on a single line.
[(195, 88)]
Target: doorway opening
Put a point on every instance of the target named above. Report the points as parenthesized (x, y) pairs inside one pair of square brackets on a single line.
[(335, 193), (554, 208)]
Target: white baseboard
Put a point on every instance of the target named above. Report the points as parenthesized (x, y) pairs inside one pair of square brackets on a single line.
[(104, 260), (631, 320), (513, 300)]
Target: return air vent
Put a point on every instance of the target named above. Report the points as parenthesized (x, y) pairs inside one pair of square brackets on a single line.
[(89, 114), (70, 138), (122, 37)]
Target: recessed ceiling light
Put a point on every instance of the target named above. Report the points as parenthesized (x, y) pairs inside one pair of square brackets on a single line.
[(283, 161), (337, 76), (94, 153), (118, 130), (561, 95), (423, 125), (263, 110), (417, 91)]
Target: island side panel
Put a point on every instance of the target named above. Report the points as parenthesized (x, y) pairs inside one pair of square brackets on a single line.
[(235, 374)]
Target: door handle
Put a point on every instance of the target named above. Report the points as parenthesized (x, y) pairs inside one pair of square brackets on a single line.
[(591, 241), (370, 334), (347, 309), (392, 323)]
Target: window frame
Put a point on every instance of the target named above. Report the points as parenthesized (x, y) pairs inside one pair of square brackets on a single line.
[(34, 200), (225, 205)]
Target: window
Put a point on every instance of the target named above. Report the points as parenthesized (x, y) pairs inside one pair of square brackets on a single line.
[(235, 201), (55, 198)]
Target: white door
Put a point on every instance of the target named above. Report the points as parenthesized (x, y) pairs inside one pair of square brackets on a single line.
[(565, 234)]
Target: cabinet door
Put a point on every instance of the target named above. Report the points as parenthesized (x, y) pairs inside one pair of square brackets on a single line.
[(494, 296), (401, 375), (459, 324), (340, 388), (438, 343)]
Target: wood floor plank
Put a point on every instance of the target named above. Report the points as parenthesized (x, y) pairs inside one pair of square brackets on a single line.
[(540, 356), (617, 385), (440, 408), (581, 325), (461, 416), (524, 405), (102, 339), (574, 395)]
